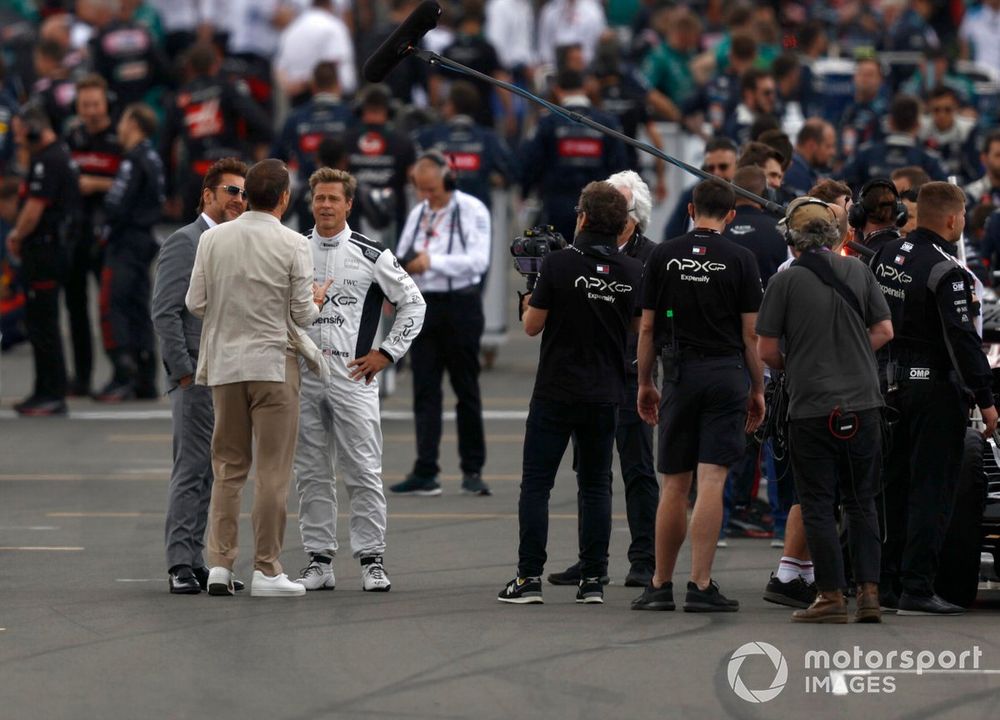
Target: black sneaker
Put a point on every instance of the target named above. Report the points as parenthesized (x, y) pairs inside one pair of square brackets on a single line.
[(639, 576), (522, 591), (571, 576), (933, 605), (41, 407), (888, 600), (708, 600), (591, 591), (652, 598), (417, 485), (116, 392), (473, 484), (795, 593)]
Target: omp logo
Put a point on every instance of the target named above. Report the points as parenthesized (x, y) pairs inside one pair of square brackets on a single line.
[(920, 374), (891, 273), (780, 672), (695, 265), (600, 285)]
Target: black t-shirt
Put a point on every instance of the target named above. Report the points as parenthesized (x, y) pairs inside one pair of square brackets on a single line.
[(707, 281), (53, 179), (591, 293), (757, 231)]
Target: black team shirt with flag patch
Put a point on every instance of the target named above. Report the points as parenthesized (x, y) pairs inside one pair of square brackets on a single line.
[(707, 281), (591, 293)]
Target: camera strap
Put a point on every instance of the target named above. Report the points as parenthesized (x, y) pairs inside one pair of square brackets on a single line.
[(822, 269)]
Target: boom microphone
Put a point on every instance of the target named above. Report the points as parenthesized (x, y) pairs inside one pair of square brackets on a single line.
[(402, 42)]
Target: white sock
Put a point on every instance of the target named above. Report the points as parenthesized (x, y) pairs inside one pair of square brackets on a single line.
[(790, 568), (807, 573)]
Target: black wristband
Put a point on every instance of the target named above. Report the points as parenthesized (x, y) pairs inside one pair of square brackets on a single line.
[(388, 356)]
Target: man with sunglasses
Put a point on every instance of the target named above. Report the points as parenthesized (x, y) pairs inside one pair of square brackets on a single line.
[(222, 199), (720, 160)]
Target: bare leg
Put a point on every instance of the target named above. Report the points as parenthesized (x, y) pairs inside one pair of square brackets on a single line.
[(671, 524), (706, 520)]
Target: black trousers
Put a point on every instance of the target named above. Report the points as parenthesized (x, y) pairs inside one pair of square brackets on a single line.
[(634, 440), (43, 266), (84, 262), (921, 476), (824, 466), (449, 340), (125, 296), (547, 432)]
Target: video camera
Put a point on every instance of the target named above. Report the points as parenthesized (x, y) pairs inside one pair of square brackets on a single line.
[(529, 249)]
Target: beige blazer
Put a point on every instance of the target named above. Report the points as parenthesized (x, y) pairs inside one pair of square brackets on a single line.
[(251, 284)]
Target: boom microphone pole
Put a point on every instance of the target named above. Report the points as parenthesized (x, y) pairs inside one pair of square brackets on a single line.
[(403, 42)]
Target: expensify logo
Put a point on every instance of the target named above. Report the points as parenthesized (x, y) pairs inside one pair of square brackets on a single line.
[(849, 672)]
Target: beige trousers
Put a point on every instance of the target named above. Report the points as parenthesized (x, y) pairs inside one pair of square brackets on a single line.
[(245, 412)]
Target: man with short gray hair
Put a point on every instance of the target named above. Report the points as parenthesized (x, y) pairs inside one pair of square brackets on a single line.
[(834, 401)]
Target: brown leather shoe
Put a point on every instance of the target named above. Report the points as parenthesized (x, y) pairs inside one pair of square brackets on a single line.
[(829, 607), (868, 604)]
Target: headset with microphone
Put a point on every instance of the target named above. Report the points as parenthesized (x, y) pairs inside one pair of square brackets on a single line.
[(858, 215), (794, 207), (447, 173)]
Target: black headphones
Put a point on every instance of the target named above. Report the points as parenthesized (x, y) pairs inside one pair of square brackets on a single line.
[(786, 221), (35, 121), (439, 159), (857, 216)]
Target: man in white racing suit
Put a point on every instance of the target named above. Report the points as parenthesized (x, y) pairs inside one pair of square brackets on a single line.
[(339, 415)]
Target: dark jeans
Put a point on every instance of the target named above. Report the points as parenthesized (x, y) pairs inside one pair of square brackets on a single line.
[(825, 465), (634, 440), (449, 340), (125, 296), (921, 476), (84, 262), (42, 268), (547, 432)]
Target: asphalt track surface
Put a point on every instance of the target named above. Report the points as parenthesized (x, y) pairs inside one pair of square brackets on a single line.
[(88, 630)]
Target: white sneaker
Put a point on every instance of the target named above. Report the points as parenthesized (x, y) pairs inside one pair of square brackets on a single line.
[(220, 581), (317, 576), (277, 586), (373, 577)]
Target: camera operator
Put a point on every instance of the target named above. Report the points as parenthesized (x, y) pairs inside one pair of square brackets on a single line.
[(584, 301), (933, 364), (700, 297), (834, 401), (633, 438)]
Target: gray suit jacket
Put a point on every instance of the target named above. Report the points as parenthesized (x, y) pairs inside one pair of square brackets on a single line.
[(179, 331)]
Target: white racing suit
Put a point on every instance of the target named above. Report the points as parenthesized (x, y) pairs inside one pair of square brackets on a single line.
[(339, 417)]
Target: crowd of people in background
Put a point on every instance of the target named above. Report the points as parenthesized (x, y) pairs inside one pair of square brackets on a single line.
[(841, 91)]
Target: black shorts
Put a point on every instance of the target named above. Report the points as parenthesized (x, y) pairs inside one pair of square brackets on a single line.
[(703, 416)]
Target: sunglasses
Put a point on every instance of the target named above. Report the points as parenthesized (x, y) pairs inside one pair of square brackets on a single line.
[(233, 190)]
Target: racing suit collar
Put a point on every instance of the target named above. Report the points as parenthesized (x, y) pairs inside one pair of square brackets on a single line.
[(924, 236), (339, 237)]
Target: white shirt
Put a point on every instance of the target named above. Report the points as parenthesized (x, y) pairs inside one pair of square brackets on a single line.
[(177, 15), (565, 22), (208, 221), (981, 28), (456, 238), (251, 28), (314, 36), (510, 28)]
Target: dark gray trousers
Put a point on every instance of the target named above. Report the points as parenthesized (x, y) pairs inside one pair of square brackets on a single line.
[(191, 478)]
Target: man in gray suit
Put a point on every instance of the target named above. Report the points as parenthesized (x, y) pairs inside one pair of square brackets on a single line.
[(222, 199)]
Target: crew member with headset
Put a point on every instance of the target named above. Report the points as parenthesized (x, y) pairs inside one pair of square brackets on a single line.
[(39, 238), (834, 401), (445, 246), (700, 297), (877, 215), (584, 304), (934, 363), (564, 155)]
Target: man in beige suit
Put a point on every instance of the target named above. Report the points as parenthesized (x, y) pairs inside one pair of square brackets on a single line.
[(252, 284)]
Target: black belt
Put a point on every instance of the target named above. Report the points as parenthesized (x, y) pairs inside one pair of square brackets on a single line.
[(692, 353)]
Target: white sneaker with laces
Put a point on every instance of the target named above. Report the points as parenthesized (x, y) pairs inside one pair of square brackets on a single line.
[(373, 577), (317, 576), (277, 586)]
